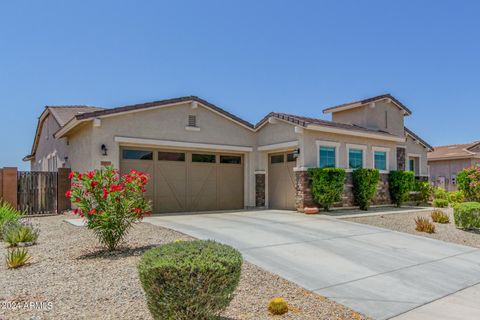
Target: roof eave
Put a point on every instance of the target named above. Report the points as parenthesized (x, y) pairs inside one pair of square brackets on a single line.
[(357, 133)]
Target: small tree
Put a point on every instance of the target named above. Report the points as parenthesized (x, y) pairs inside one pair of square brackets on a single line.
[(110, 203), (468, 181), (327, 185), (365, 182), (400, 184)]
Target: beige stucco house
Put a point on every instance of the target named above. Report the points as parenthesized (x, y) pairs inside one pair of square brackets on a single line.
[(446, 162), (201, 157)]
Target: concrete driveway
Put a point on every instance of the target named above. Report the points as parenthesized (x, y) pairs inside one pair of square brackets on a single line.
[(378, 272)]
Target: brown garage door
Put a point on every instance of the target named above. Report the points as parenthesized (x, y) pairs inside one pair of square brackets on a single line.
[(281, 181), (192, 181)]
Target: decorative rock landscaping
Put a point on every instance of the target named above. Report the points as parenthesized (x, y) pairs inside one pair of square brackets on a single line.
[(71, 277)]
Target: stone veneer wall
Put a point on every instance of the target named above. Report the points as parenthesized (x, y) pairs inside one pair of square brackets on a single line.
[(260, 189), (401, 159), (304, 198)]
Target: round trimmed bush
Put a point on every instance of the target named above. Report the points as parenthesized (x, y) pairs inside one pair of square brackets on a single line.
[(440, 203), (467, 215), (189, 279), (365, 182)]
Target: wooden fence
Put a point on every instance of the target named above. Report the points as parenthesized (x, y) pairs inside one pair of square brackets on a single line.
[(35, 193)]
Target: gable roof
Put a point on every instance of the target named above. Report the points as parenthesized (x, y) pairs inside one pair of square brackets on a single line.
[(149, 105), (61, 114), (359, 103), (306, 122), (454, 151), (420, 140)]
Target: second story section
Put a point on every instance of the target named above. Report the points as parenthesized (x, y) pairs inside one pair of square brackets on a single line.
[(383, 113)]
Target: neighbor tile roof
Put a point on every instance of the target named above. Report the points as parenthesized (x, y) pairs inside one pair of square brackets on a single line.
[(63, 114), (453, 151), (368, 100)]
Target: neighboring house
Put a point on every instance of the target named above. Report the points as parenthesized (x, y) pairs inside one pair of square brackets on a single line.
[(201, 157), (446, 161)]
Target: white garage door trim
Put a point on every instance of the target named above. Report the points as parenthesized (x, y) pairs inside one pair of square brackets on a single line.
[(180, 144)]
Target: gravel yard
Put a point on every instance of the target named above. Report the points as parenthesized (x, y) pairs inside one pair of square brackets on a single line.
[(83, 282), (404, 222)]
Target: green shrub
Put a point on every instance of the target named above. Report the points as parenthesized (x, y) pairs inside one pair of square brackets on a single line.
[(278, 306), (467, 215), (455, 197), (365, 182), (20, 232), (400, 183), (17, 257), (327, 185), (424, 192), (189, 279), (439, 216), (439, 193), (8, 214), (440, 203), (424, 225), (468, 181)]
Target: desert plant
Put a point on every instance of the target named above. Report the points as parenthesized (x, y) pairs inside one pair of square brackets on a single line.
[(17, 257), (189, 279), (439, 193), (424, 225), (110, 203), (467, 215), (278, 306), (440, 203), (8, 214), (365, 182), (20, 232), (424, 192), (327, 185), (400, 183), (468, 181), (439, 216), (455, 197)]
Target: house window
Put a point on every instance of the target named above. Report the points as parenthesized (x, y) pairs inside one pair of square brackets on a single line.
[(327, 157), (137, 155), (231, 159), (380, 158), (210, 158), (277, 158), (411, 165), (171, 156), (291, 157), (355, 158)]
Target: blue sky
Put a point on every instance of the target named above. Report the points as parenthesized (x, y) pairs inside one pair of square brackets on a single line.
[(249, 57)]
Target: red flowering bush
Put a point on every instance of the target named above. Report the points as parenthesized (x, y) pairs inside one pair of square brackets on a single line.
[(110, 203), (468, 181)]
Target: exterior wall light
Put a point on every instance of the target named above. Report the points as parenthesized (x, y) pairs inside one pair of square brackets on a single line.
[(104, 150), (296, 153)]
